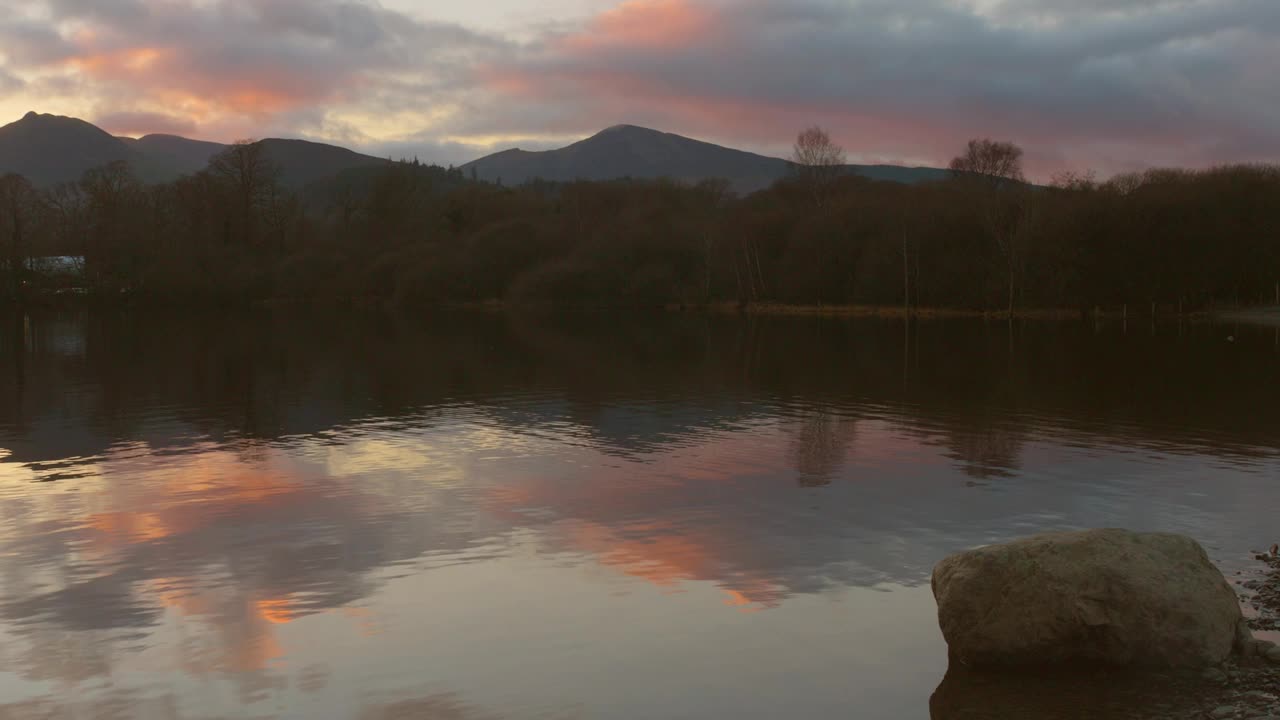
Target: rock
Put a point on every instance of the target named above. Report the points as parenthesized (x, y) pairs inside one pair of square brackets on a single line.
[(1110, 596), (1274, 655), (1214, 675), (1225, 711), (1244, 638), (1260, 648)]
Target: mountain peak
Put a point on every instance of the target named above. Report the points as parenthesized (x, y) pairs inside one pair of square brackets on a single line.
[(627, 130), (631, 151)]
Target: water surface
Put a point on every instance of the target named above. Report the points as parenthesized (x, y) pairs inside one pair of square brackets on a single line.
[(347, 515)]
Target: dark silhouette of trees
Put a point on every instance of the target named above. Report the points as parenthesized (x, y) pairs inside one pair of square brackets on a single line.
[(1009, 209), (19, 205), (250, 181), (989, 161), (413, 234), (819, 161)]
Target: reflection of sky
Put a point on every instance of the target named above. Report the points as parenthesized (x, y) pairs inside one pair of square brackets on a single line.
[(525, 573), (535, 555)]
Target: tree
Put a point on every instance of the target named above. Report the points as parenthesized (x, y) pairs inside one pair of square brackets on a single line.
[(1006, 205), (251, 180), (113, 195), (18, 206), (818, 160), (990, 161)]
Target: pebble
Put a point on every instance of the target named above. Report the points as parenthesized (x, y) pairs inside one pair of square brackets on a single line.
[(1225, 711)]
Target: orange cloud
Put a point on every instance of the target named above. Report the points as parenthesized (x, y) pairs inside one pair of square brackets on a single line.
[(644, 24)]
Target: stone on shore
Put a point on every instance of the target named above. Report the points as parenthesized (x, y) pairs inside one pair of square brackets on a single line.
[(1100, 596)]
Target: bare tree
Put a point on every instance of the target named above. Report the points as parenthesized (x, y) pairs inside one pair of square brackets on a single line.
[(1008, 208), (818, 160), (252, 181), (991, 161)]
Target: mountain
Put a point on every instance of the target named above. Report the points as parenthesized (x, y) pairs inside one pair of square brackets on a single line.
[(49, 149), (302, 163), (636, 152), (179, 155)]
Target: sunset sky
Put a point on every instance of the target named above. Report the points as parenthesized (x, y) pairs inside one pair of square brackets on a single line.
[(1104, 84)]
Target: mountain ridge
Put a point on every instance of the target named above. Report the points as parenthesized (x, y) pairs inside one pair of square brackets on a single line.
[(49, 149), (633, 151)]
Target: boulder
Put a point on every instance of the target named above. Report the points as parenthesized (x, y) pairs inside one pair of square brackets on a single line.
[(1100, 596)]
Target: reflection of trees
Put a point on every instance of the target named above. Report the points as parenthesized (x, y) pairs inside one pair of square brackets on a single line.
[(986, 450), (819, 445)]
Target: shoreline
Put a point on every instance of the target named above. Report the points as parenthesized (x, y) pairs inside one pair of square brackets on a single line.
[(942, 313), (1269, 316)]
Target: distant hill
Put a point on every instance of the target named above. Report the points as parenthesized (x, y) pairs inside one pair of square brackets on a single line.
[(179, 155), (636, 152), (49, 149), (302, 163)]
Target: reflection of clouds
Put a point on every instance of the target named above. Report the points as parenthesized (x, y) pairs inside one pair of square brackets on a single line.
[(233, 550), (113, 705), (222, 551), (667, 555), (433, 707)]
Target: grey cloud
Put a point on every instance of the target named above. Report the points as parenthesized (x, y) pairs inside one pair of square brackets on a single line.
[(1106, 83), (1178, 80), (254, 58), (28, 42), (10, 83)]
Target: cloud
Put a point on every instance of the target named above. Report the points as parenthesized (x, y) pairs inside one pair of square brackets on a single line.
[(230, 65), (1142, 82), (1109, 84), (144, 123)]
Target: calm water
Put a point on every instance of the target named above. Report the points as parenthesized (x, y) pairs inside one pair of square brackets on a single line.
[(475, 517)]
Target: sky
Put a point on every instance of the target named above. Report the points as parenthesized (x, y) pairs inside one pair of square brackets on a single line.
[(1103, 85)]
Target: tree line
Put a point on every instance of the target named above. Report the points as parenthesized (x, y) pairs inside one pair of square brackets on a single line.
[(407, 233)]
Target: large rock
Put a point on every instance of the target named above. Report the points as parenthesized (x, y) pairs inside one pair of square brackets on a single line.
[(1109, 596)]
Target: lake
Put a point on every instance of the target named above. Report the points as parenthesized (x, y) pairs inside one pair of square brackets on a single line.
[(290, 514)]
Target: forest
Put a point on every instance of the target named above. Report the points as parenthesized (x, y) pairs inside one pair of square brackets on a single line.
[(409, 234)]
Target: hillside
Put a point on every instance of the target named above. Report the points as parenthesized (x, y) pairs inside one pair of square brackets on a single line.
[(49, 149), (179, 155), (636, 152), (302, 162)]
